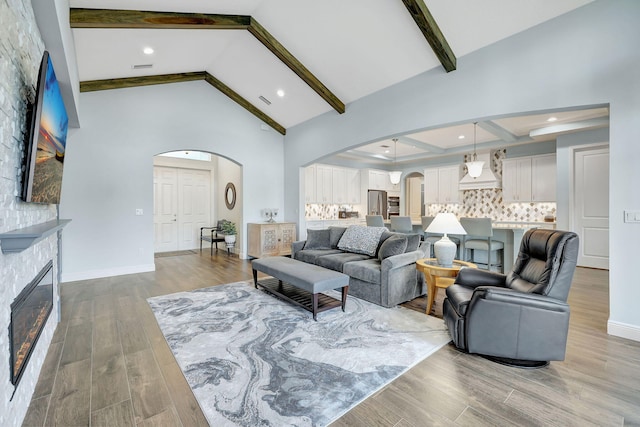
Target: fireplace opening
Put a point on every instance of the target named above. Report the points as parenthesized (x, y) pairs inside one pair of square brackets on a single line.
[(29, 313)]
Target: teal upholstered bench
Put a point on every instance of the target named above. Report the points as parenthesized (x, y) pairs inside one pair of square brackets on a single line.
[(301, 283)]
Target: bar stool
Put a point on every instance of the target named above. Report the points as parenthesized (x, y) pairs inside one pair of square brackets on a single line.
[(401, 224), (375, 221), (432, 238), (482, 230)]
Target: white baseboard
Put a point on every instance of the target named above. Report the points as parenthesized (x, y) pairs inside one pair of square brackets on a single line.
[(623, 330), (110, 272)]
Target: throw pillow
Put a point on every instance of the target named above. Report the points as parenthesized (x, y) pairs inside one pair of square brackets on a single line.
[(361, 239), (394, 245), (335, 235), (318, 239), (413, 242)]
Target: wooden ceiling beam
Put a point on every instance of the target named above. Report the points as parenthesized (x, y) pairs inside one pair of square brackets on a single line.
[(429, 28), (106, 18), (244, 103), (103, 18), (270, 42), (107, 84)]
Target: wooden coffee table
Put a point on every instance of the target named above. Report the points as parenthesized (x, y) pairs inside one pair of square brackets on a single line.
[(438, 276)]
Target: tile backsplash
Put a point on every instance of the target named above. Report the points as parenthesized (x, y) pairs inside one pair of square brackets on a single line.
[(488, 202)]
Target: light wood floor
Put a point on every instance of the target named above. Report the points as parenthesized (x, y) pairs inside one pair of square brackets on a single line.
[(109, 365)]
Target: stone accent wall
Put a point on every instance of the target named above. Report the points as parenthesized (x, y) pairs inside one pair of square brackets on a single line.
[(21, 49)]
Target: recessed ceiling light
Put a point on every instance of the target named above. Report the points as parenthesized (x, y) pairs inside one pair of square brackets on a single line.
[(148, 50), (280, 93), (552, 119), (386, 151), (461, 137)]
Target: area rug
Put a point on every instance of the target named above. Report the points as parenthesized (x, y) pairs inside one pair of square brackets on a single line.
[(254, 360)]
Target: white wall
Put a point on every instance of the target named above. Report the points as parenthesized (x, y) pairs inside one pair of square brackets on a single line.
[(109, 168), (228, 171), (586, 57)]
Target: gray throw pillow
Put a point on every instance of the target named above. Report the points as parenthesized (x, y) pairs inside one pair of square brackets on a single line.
[(394, 245), (361, 239), (318, 239), (413, 242), (335, 235)]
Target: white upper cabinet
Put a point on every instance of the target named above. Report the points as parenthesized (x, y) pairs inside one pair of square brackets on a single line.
[(324, 184), (441, 184), (339, 185), (353, 186), (529, 179), (310, 184)]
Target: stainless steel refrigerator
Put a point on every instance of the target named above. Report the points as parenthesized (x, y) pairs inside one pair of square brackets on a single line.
[(377, 203)]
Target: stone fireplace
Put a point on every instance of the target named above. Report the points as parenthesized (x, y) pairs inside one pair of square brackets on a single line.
[(29, 313)]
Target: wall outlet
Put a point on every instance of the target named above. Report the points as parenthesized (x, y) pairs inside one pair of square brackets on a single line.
[(139, 211)]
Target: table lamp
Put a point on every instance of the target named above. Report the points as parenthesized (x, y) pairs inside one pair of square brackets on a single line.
[(445, 249)]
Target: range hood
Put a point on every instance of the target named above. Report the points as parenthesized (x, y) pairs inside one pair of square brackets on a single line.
[(486, 179)]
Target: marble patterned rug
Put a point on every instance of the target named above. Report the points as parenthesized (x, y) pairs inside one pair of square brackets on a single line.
[(254, 360)]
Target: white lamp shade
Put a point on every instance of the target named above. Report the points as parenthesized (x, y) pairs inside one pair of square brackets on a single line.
[(475, 168), (445, 223), (394, 176)]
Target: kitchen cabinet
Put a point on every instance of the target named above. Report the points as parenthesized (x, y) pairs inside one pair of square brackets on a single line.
[(441, 185), (270, 239), (310, 184), (353, 186), (331, 185), (324, 184), (339, 181), (378, 180), (529, 179)]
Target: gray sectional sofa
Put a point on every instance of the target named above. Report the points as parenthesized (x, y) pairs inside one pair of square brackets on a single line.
[(380, 264)]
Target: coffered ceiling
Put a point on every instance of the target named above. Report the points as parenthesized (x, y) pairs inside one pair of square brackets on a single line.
[(322, 55)]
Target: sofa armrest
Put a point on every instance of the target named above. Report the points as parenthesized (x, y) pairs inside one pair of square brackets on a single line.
[(401, 260), (296, 247)]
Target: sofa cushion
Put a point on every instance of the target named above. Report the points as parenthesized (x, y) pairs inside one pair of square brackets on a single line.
[(361, 239), (318, 239), (394, 245), (413, 242), (367, 270), (311, 255), (335, 234), (337, 261)]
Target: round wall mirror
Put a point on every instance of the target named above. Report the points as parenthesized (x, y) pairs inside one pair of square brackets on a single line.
[(230, 196)]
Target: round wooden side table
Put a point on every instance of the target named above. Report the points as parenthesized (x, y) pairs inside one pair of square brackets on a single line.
[(435, 273)]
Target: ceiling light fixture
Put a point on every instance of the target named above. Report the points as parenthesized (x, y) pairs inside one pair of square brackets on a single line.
[(394, 176), (461, 137), (280, 93), (474, 167), (552, 119), (148, 50)]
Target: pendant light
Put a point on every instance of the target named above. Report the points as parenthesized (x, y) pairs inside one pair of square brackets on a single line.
[(394, 176), (474, 168)]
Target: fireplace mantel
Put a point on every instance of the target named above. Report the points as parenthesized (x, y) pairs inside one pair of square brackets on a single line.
[(20, 239)]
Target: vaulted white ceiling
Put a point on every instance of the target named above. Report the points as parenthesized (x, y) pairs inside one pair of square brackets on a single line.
[(354, 47)]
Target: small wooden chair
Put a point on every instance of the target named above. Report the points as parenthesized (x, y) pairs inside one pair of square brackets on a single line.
[(211, 236)]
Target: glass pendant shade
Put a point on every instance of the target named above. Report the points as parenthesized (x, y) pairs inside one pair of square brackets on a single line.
[(394, 177)]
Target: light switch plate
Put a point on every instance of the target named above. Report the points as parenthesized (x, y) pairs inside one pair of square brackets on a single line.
[(631, 216)]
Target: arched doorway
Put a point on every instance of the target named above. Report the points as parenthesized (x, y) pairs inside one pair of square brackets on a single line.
[(414, 195), (189, 193)]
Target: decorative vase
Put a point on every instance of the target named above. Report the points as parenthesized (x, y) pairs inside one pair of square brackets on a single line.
[(230, 240)]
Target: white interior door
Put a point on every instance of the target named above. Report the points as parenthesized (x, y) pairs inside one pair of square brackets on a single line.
[(181, 204), (165, 209), (194, 206), (591, 206)]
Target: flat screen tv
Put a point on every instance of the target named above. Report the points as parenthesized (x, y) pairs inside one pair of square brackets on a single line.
[(46, 140)]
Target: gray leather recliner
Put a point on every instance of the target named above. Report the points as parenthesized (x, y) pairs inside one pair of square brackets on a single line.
[(521, 318)]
